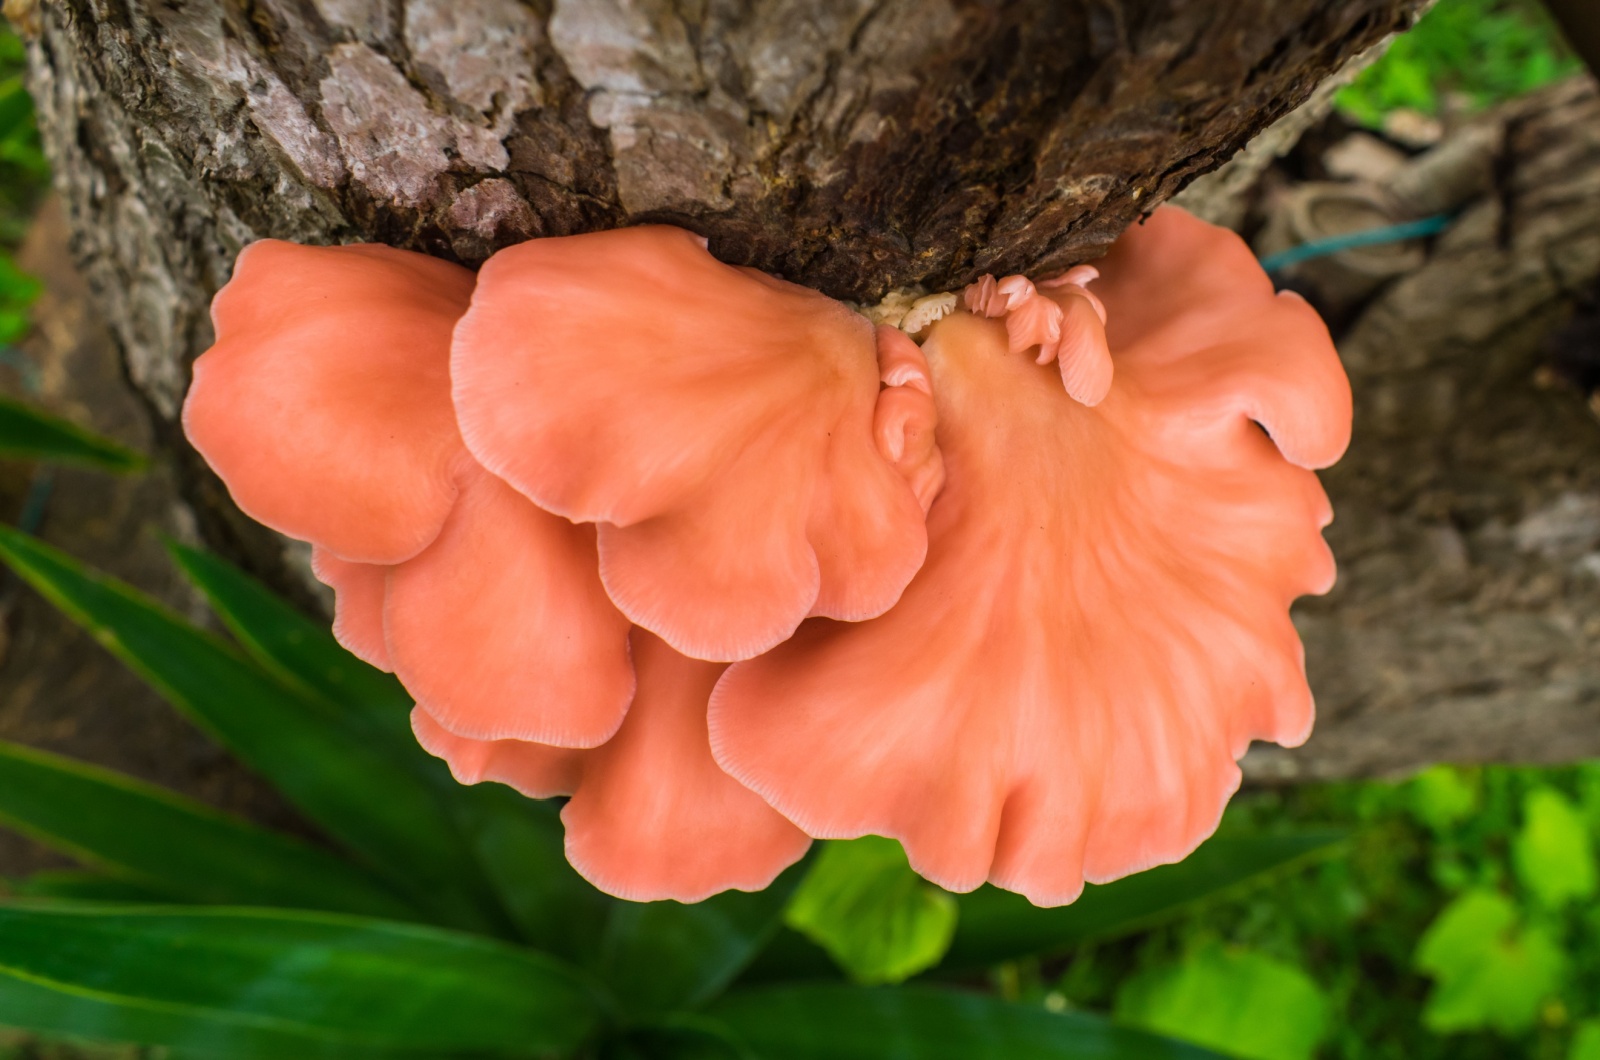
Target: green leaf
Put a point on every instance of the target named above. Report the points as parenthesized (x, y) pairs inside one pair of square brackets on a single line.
[(171, 845), (325, 761), (660, 956), (1489, 971), (997, 925), (518, 842), (16, 106), (297, 650), (878, 919), (263, 983), (1244, 1004), (837, 1022), (27, 433), (1442, 797), (1552, 853), (1586, 1041), (84, 886)]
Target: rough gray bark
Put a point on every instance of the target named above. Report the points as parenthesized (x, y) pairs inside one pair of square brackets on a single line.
[(852, 145), (1466, 622)]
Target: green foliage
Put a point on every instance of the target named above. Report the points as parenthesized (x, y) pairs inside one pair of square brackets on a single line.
[(1244, 1004), (1442, 797), (326, 761), (123, 952), (921, 1023), (997, 925), (172, 847), (1586, 1042), (29, 434), (248, 983), (1484, 50), (1552, 853), (1491, 970), (863, 904), (1410, 968)]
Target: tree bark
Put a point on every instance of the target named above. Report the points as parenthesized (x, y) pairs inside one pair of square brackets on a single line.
[(1465, 626), (850, 145)]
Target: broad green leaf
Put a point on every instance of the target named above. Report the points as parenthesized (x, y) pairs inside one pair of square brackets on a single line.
[(1552, 853), (1586, 1041), (27, 433), (1244, 1004), (326, 762), (249, 983), (878, 919), (518, 842), (660, 956), (1442, 797), (837, 1022), (172, 845), (1490, 971), (997, 925)]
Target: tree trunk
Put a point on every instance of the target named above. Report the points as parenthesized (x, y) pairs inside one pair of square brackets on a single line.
[(851, 145), (1466, 622)]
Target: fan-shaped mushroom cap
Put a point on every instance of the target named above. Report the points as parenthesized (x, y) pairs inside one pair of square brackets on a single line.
[(500, 627), (358, 604), (716, 422), (325, 402), (651, 815), (1102, 623)]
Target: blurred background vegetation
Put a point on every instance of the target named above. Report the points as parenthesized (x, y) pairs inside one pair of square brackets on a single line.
[(1457, 921)]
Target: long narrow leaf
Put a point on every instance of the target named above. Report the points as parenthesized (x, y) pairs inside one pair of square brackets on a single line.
[(33, 435), (520, 845), (517, 841), (173, 846), (836, 1022), (262, 983), (658, 956), (333, 770), (997, 925), (84, 886), (292, 646)]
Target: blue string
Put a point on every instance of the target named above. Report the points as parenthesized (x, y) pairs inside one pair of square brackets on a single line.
[(1371, 237)]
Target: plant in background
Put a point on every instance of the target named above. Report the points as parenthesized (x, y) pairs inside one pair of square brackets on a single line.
[(1487, 51), (1457, 925)]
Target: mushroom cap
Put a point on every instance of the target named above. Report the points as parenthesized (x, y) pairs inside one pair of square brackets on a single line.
[(324, 404), (1101, 626), (500, 627), (651, 815), (717, 423), (358, 605)]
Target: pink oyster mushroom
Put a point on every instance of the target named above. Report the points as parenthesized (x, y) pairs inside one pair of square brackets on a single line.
[(1101, 626), (1099, 629), (719, 425), (325, 406)]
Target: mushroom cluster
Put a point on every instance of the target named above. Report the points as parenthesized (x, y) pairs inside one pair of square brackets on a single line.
[(733, 569)]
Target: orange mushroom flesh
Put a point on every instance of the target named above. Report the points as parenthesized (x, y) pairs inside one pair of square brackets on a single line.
[(325, 407), (1101, 626), (718, 424), (358, 605), (651, 815), (324, 404)]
